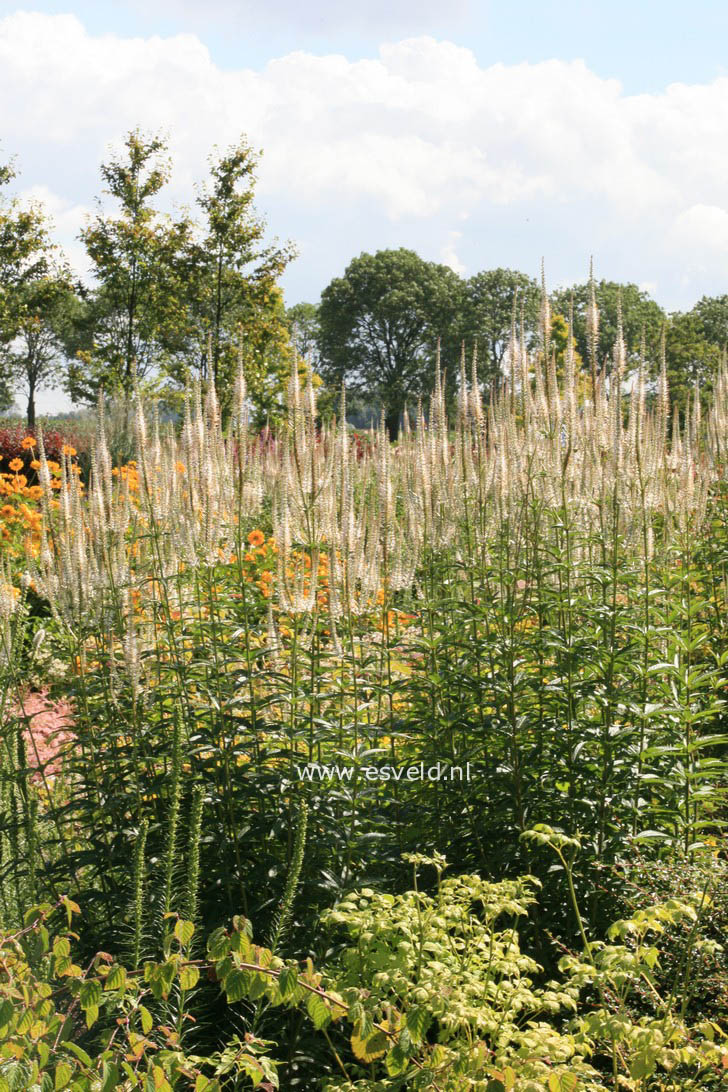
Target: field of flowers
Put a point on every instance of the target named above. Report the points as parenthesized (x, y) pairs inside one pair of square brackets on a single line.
[(250, 857)]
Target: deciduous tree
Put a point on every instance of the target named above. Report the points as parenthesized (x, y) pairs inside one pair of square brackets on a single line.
[(712, 313), (23, 258), (379, 326), (36, 356), (236, 306), (692, 361), (639, 312), (136, 316), (488, 316)]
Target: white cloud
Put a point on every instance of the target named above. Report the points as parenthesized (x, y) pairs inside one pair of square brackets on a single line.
[(449, 254), (316, 15), (703, 229), (66, 217), (417, 133)]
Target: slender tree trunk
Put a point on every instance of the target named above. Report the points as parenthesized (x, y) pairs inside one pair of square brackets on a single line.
[(131, 315), (218, 321), (30, 413)]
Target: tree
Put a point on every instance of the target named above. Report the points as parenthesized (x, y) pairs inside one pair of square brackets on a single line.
[(559, 342), (712, 314), (303, 329), (236, 306), (379, 326), (36, 355), (141, 261), (23, 258), (690, 358), (639, 312), (488, 316)]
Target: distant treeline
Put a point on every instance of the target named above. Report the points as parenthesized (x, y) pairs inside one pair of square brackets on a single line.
[(173, 298)]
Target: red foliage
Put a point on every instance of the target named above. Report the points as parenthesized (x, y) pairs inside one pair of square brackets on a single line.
[(49, 729), (11, 446)]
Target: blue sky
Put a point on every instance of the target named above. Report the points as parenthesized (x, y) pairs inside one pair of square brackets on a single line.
[(493, 135), (646, 44)]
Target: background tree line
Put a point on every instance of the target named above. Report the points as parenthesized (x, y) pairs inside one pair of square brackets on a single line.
[(172, 297), (377, 328)]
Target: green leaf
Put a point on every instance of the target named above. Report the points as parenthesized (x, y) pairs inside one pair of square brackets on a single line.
[(64, 1072), (236, 985), (116, 978), (252, 1067), (6, 1013), (25, 1023), (418, 1020), (257, 986), (78, 1052), (189, 977), (218, 944), (564, 1082), (318, 1010), (287, 981), (110, 1077), (160, 977), (184, 931), (61, 947), (90, 994), (371, 1048), (146, 1019), (396, 1061)]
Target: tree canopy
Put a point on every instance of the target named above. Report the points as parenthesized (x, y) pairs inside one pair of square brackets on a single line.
[(380, 323), (488, 316), (235, 305), (140, 260), (37, 300), (639, 312), (176, 298), (691, 359)]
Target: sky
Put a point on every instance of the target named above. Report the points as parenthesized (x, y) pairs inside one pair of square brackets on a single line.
[(478, 134)]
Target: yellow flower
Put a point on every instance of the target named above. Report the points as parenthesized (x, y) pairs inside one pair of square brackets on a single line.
[(255, 538), (16, 464), (68, 450), (29, 441)]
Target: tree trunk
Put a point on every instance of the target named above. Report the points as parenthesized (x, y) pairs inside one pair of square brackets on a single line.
[(391, 422), (30, 414)]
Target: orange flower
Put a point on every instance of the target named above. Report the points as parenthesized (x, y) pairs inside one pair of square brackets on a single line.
[(255, 538), (180, 468), (68, 450), (266, 576), (29, 441), (16, 465), (35, 465), (7, 511)]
